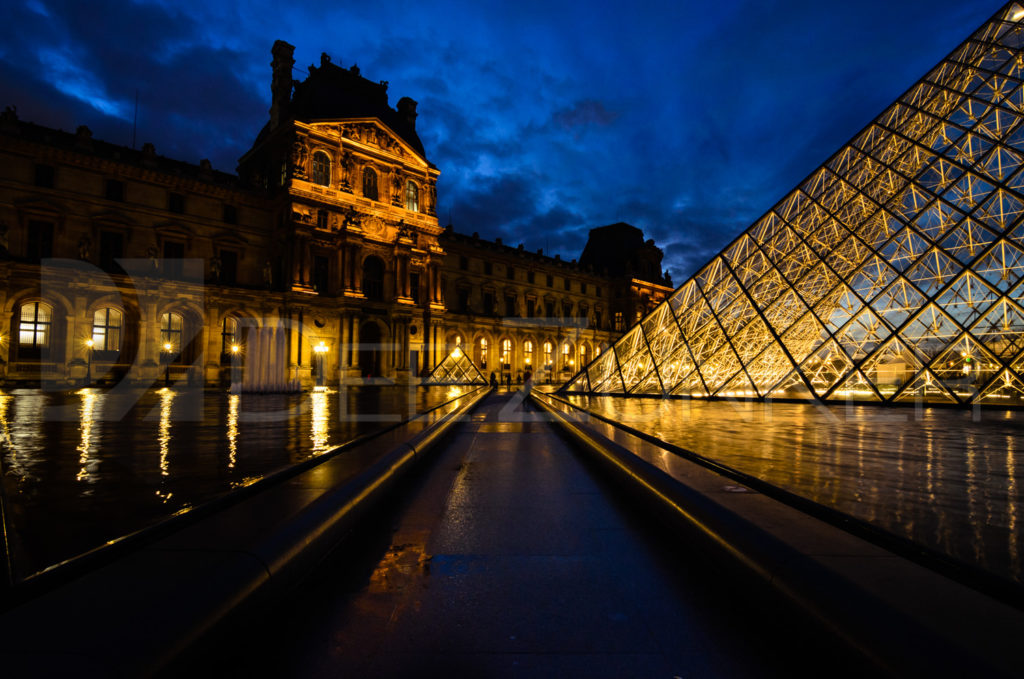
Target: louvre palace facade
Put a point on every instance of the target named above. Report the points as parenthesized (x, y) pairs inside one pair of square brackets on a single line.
[(121, 265)]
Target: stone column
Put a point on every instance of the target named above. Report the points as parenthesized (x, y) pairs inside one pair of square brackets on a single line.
[(344, 351), (355, 342)]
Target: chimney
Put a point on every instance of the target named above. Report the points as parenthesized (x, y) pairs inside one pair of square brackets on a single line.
[(407, 111), (281, 85)]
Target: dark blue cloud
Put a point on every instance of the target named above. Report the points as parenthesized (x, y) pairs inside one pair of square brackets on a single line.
[(687, 119)]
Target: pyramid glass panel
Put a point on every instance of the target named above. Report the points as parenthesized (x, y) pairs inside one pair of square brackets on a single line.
[(893, 272), (456, 368)]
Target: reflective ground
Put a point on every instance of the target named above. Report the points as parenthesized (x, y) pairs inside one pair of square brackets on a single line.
[(81, 468), (949, 479)]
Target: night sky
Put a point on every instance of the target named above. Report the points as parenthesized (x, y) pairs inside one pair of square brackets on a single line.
[(687, 119)]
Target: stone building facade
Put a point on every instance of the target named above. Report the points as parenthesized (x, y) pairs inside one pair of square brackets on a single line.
[(123, 265)]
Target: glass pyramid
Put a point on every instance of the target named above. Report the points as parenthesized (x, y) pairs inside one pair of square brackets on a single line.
[(456, 368), (892, 273)]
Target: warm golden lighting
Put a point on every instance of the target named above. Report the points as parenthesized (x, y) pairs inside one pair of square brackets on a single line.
[(457, 352), (235, 348), (320, 348), (89, 343), (167, 346)]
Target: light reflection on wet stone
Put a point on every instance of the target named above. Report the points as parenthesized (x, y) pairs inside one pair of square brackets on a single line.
[(82, 468), (946, 479)]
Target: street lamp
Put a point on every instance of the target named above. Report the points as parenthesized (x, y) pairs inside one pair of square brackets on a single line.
[(167, 364), (88, 364), (319, 350), (235, 348)]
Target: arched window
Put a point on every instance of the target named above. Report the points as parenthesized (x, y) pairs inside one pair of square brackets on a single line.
[(528, 353), (506, 354), (481, 353), (412, 196), (321, 169), (373, 278), (107, 324), (171, 325), (369, 183), (583, 355), (34, 325), (547, 355), (567, 360)]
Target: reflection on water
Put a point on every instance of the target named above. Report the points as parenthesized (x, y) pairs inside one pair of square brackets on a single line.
[(87, 460), (947, 479), (82, 468), (232, 429), (318, 422)]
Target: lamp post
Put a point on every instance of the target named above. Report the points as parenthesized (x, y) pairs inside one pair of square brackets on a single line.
[(318, 351), (88, 362), (235, 348), (167, 364)]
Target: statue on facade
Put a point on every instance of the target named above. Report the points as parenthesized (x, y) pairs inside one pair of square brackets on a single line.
[(298, 159), (348, 165), (215, 267), (152, 255), (84, 246), (351, 218)]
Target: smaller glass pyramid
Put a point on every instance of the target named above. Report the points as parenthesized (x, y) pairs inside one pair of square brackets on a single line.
[(456, 368)]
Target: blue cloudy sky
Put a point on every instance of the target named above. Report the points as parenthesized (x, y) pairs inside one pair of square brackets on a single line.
[(687, 119)]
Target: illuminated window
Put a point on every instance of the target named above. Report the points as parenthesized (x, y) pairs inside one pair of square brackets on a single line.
[(618, 320), (528, 353), (106, 329), (566, 356), (481, 353), (412, 196), (369, 184), (583, 354), (506, 354), (171, 325), (34, 327), (321, 169), (547, 355)]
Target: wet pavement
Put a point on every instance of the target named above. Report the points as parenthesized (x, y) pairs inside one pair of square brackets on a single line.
[(949, 480), (508, 557), (83, 468)]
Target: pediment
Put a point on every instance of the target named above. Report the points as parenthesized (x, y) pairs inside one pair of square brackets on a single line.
[(41, 206), (373, 134)]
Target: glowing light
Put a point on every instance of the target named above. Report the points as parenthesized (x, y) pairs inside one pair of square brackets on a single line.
[(457, 352), (320, 348), (89, 343), (235, 348), (1017, 15), (167, 346)]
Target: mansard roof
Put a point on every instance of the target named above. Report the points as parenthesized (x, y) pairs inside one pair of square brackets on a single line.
[(331, 92)]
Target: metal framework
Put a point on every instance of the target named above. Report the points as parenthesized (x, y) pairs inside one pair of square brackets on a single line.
[(456, 368), (892, 273)]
